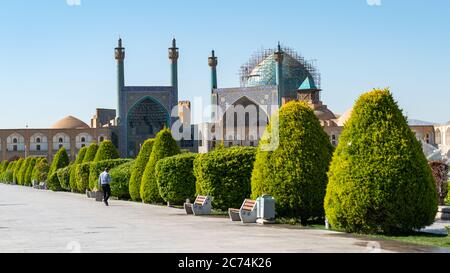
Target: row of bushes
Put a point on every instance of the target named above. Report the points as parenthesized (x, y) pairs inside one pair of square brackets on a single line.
[(377, 180), (24, 171), (78, 176)]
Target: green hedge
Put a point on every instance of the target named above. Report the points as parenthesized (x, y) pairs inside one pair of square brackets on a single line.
[(379, 179), (61, 160), (106, 151), (82, 176), (64, 177), (120, 177), (40, 171), (91, 152), (295, 173), (225, 175), (96, 168), (164, 146), (139, 168), (175, 177)]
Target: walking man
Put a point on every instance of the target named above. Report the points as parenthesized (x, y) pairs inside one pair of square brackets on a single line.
[(104, 180)]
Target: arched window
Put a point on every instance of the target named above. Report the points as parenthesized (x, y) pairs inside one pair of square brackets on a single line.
[(427, 138), (438, 137), (38, 140), (15, 140), (61, 140), (83, 139)]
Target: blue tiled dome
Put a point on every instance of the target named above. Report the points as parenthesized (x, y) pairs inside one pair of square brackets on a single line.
[(295, 74)]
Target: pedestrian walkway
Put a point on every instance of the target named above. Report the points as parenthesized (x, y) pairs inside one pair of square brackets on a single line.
[(44, 221)]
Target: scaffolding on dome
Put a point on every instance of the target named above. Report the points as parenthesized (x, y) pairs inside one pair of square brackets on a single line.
[(248, 68)]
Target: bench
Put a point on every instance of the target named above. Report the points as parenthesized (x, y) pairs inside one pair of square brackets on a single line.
[(246, 214), (201, 206), (39, 186)]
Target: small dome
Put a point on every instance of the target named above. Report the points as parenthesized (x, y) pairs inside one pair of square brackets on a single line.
[(323, 113), (70, 123)]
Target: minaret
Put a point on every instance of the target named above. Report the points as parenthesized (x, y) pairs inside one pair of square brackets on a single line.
[(212, 61), (121, 120), (120, 57), (279, 59), (173, 56)]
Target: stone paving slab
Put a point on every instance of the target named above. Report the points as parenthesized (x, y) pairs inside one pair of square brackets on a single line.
[(43, 221)]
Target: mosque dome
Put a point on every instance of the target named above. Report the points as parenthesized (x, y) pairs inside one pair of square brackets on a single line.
[(261, 71), (70, 122), (323, 113)]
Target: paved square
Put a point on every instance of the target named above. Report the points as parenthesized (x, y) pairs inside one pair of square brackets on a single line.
[(44, 221)]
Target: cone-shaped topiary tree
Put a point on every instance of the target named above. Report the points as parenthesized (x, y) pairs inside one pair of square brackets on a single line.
[(28, 173), (81, 154), (139, 168), (106, 151), (379, 179), (163, 147), (16, 170), (61, 160), (22, 171), (72, 179), (295, 173), (90, 153), (40, 171)]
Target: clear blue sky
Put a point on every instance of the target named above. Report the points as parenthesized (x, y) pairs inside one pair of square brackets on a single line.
[(57, 59)]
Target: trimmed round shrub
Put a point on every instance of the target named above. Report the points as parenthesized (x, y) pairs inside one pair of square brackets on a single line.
[(60, 161), (64, 177), (16, 170), (379, 179), (120, 179), (91, 152), (29, 171), (139, 168), (96, 168), (176, 179), (40, 171), (82, 176), (106, 151), (295, 173), (164, 146), (225, 174)]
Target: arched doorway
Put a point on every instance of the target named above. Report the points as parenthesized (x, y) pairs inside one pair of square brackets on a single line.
[(244, 123), (145, 119)]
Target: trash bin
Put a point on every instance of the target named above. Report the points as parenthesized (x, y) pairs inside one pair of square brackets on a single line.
[(266, 209)]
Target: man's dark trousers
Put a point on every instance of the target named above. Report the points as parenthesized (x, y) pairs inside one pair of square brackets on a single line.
[(106, 192)]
